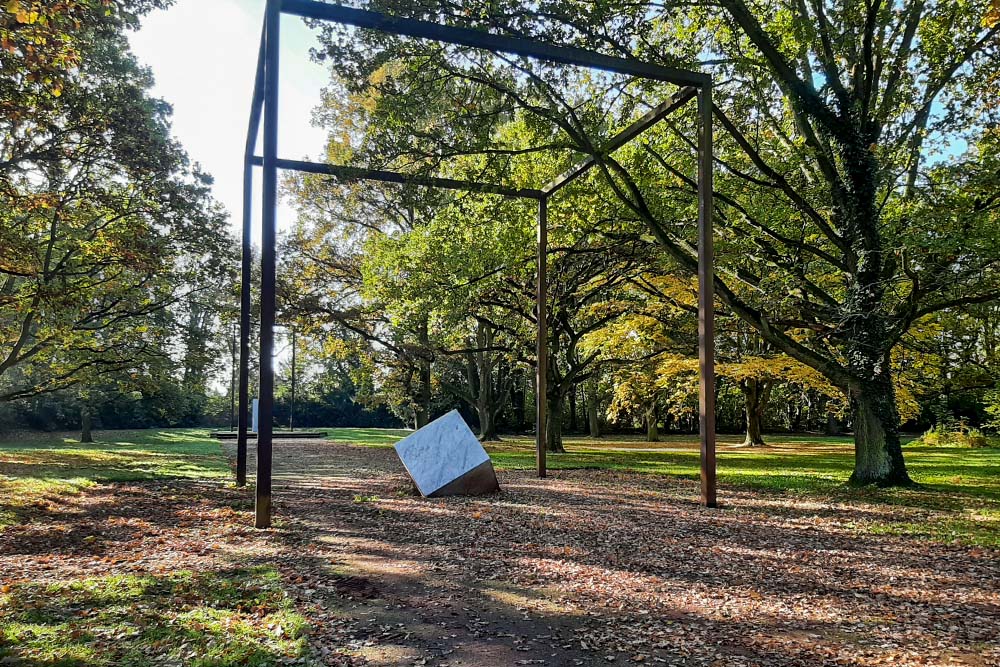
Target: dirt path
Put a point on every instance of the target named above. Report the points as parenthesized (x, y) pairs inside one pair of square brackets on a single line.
[(602, 568)]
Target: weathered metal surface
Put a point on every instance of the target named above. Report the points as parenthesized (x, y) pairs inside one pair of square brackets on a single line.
[(269, 231), (706, 300), (541, 336), (265, 100)]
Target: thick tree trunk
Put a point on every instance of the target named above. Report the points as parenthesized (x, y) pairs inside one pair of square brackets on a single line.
[(420, 417), (754, 405), (86, 424), (572, 409), (593, 417), (755, 435), (553, 421), (878, 455), (487, 422), (652, 426)]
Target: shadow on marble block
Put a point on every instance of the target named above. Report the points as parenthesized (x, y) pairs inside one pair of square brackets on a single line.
[(444, 458)]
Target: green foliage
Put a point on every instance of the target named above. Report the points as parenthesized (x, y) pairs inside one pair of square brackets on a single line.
[(843, 214), (106, 228), (954, 435)]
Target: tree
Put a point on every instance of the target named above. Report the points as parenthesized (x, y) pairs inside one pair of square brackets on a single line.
[(102, 218), (832, 115), (852, 96), (322, 282)]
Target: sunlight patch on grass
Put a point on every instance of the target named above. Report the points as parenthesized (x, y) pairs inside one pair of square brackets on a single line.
[(366, 436), (236, 617), (36, 472)]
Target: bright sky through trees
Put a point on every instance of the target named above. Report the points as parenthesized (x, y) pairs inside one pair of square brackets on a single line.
[(203, 56)]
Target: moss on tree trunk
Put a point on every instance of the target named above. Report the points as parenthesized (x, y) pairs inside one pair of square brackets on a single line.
[(878, 454)]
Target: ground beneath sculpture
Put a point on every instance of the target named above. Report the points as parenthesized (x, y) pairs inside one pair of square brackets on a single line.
[(586, 568), (596, 567)]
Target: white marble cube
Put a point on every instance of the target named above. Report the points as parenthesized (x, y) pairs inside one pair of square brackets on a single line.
[(445, 458)]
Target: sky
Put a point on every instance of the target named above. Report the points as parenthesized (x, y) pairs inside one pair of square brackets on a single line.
[(203, 54)]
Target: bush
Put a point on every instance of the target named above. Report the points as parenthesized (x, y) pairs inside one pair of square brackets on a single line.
[(954, 435)]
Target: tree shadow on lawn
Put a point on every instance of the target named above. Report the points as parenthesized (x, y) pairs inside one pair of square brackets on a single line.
[(115, 519), (418, 568), (221, 617), (758, 557), (659, 536)]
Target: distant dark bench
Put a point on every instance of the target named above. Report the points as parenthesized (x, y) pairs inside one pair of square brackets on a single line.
[(283, 435)]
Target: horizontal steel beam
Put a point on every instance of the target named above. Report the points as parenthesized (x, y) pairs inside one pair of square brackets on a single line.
[(361, 174), (650, 118), (483, 40)]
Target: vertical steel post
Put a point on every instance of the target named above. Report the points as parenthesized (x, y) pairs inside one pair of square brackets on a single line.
[(291, 405), (706, 299), (542, 341), (245, 279), (233, 363), (267, 264)]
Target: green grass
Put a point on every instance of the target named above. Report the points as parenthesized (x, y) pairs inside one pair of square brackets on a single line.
[(36, 469), (958, 487), (365, 436), (234, 617)]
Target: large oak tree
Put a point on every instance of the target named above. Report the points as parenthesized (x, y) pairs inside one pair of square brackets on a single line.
[(851, 199)]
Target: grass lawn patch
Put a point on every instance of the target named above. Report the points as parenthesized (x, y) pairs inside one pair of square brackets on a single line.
[(37, 470), (134, 551), (235, 617)]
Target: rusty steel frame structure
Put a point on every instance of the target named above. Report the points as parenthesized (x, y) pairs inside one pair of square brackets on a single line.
[(265, 108)]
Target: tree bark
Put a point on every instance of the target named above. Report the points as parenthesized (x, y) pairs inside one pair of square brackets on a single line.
[(878, 454), (755, 402), (832, 424), (421, 412), (86, 424), (593, 418), (652, 426), (572, 409), (518, 395), (553, 421), (487, 423)]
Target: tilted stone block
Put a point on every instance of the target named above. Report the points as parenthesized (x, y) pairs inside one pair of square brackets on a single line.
[(445, 458)]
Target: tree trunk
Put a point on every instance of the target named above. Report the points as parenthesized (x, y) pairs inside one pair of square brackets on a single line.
[(754, 404), (832, 424), (652, 427), (572, 408), (421, 413), (518, 395), (86, 424), (487, 423), (593, 418), (878, 455), (553, 421)]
